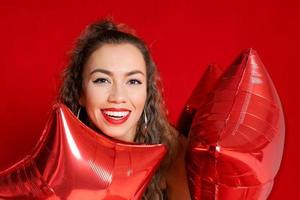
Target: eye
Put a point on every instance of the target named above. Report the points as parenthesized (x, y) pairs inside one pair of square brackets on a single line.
[(101, 80), (134, 82)]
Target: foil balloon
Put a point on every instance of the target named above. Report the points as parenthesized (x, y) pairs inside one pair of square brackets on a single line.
[(203, 87), (71, 161), (237, 135)]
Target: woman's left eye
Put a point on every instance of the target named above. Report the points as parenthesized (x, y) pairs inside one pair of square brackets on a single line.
[(134, 82)]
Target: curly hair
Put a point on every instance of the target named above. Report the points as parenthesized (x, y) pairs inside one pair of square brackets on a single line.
[(158, 129)]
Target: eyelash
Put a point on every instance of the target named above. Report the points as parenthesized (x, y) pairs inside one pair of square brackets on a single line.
[(104, 80), (135, 82), (101, 80)]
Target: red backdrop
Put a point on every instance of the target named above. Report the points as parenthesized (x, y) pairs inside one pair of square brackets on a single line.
[(184, 37)]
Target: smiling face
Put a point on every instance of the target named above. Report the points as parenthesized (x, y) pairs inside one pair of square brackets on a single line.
[(114, 89)]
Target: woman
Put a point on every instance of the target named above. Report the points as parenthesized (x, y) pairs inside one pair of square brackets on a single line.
[(111, 83)]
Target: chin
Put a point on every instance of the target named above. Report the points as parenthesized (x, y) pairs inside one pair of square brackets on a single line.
[(116, 131), (119, 135)]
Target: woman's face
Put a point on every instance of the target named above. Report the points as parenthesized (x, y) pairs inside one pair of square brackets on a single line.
[(114, 89)]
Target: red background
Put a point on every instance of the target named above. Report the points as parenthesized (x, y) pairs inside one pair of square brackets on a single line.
[(184, 37)]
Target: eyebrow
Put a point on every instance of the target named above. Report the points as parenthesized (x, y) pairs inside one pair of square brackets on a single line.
[(110, 73)]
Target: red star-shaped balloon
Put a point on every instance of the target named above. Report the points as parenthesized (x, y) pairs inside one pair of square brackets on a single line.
[(237, 135), (204, 86), (71, 161)]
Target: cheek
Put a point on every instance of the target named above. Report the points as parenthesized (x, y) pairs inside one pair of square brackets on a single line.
[(94, 96), (139, 99)]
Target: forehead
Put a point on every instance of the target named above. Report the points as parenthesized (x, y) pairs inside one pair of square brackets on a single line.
[(116, 58)]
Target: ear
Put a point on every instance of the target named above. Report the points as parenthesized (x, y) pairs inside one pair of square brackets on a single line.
[(82, 100)]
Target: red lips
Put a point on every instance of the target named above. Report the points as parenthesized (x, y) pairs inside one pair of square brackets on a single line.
[(115, 116)]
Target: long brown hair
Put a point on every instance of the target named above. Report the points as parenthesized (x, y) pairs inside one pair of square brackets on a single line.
[(158, 129)]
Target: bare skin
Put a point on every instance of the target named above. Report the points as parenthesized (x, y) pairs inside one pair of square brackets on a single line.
[(176, 178)]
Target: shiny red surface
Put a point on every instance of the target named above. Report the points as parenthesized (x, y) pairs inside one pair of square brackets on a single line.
[(71, 161), (184, 36), (204, 86), (237, 135)]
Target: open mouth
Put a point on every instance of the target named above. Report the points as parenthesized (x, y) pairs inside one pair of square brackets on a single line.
[(116, 117)]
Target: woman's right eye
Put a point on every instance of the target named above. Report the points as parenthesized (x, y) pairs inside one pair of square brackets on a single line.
[(101, 80)]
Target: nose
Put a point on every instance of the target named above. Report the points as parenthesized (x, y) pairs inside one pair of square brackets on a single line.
[(117, 94)]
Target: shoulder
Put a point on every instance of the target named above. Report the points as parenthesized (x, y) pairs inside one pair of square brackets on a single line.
[(176, 179)]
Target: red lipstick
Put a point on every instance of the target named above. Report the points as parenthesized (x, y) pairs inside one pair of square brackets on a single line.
[(115, 116)]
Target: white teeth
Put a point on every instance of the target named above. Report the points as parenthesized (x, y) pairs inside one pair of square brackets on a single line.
[(116, 114)]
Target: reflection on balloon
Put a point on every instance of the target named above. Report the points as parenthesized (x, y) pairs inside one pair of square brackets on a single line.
[(71, 161), (204, 86), (237, 135)]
